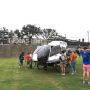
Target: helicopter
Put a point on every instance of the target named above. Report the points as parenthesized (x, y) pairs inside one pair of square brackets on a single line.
[(48, 55)]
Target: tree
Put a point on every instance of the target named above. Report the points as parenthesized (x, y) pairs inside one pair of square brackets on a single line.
[(31, 30), (4, 35), (11, 34), (18, 33), (49, 33), (82, 39)]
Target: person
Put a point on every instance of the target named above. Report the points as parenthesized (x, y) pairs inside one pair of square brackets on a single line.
[(73, 62), (21, 59), (85, 53), (68, 63), (63, 62), (31, 60), (27, 58)]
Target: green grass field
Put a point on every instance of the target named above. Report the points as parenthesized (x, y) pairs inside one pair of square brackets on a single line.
[(13, 78)]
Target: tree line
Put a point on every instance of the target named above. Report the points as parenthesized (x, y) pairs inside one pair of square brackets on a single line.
[(27, 30)]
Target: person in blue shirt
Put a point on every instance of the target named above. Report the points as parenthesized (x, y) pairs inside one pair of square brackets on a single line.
[(85, 53)]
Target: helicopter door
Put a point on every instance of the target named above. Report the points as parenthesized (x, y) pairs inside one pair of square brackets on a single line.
[(54, 54)]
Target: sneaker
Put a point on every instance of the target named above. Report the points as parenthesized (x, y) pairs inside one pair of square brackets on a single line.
[(72, 73), (19, 66), (88, 83), (63, 74), (85, 83), (75, 71)]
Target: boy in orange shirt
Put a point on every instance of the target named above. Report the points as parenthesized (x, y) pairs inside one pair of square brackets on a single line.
[(73, 61)]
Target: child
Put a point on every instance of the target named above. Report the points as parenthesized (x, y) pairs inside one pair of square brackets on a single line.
[(31, 60), (27, 58), (63, 62), (21, 58), (68, 63), (73, 62)]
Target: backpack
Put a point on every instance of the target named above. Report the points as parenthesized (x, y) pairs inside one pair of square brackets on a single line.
[(62, 58)]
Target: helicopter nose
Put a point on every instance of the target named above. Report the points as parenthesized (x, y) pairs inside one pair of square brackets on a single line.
[(34, 57)]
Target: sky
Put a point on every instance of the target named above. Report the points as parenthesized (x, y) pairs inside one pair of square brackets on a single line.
[(70, 18)]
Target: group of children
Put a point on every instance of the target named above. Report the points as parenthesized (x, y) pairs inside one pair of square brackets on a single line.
[(27, 58), (68, 61)]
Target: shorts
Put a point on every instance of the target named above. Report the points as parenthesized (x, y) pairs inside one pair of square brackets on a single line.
[(21, 62), (86, 67), (28, 62), (63, 64)]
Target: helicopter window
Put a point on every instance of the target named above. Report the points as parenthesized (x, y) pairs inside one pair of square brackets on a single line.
[(55, 50)]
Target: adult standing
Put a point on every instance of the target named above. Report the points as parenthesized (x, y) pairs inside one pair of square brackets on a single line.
[(85, 53)]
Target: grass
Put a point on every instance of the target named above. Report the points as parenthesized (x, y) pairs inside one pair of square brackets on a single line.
[(13, 78)]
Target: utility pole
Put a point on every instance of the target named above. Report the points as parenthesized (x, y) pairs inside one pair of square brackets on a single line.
[(65, 35), (88, 37)]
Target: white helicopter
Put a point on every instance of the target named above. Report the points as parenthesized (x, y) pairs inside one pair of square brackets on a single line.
[(48, 55)]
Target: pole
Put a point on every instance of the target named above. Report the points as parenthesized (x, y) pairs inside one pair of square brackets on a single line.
[(65, 35), (88, 37)]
